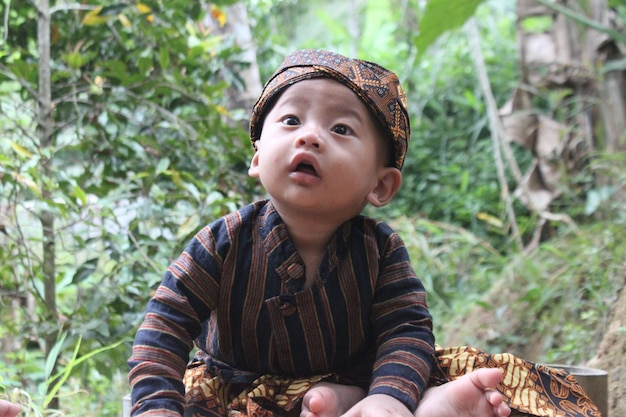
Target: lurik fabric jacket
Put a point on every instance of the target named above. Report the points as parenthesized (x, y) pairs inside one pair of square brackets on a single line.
[(237, 290)]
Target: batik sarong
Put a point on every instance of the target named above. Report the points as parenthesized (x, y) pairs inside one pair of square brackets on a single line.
[(529, 389)]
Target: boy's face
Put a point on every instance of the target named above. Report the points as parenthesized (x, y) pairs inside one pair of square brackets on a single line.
[(320, 151)]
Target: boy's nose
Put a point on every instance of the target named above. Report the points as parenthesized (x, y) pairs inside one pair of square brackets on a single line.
[(309, 138)]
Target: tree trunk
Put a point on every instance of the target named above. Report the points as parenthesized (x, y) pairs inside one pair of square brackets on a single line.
[(46, 217), (237, 26)]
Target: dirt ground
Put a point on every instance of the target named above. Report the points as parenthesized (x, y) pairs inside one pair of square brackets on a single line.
[(611, 357)]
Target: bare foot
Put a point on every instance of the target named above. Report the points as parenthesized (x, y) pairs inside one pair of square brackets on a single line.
[(326, 399), (472, 395), (8, 409)]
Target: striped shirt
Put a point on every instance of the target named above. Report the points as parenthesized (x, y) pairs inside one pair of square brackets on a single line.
[(238, 291)]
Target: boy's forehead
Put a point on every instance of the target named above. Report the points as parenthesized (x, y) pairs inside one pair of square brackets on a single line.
[(332, 92), (378, 88)]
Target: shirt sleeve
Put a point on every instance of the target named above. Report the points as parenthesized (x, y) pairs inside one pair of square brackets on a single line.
[(183, 300), (405, 350)]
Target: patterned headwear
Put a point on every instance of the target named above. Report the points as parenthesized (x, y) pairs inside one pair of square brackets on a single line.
[(376, 86)]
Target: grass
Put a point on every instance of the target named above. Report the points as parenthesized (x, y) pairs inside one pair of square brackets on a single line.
[(550, 305)]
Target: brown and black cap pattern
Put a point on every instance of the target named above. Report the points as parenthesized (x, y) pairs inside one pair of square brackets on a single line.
[(376, 86)]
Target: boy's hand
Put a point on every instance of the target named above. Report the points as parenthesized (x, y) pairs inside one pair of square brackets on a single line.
[(379, 405)]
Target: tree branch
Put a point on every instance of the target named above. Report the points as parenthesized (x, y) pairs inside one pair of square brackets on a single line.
[(496, 129), (7, 7), (585, 20), (74, 6)]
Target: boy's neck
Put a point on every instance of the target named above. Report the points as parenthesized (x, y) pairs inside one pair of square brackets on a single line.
[(311, 236)]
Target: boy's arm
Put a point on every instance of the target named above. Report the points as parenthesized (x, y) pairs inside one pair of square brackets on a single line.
[(402, 324), (160, 354), (173, 320)]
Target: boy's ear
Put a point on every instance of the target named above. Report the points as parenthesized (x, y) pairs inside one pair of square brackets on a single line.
[(389, 182), (253, 170)]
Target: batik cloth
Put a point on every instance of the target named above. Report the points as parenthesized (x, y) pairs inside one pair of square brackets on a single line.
[(529, 389), (376, 86)]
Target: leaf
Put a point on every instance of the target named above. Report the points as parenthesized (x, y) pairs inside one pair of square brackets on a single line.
[(102, 14), (584, 19), (176, 178), (114, 69), (124, 20), (221, 110), (164, 58), (489, 219), (162, 166), (27, 182), (189, 226), (71, 365), (74, 59), (537, 24), (93, 18), (441, 16), (614, 65), (113, 9), (465, 180), (145, 10), (85, 270), (219, 15), (80, 194), (20, 150), (51, 393), (53, 355), (74, 362), (595, 198)]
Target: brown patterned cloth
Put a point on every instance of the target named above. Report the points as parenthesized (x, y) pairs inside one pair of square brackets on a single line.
[(529, 389), (376, 86), (210, 395)]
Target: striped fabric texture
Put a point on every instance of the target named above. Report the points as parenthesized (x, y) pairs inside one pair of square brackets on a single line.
[(238, 291)]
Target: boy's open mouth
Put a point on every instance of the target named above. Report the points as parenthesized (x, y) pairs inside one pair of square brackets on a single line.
[(306, 168)]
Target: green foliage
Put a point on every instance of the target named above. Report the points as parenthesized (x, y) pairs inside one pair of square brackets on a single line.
[(542, 304), (538, 305), (449, 261), (537, 24), (449, 174), (143, 152), (568, 288), (372, 30), (453, 12)]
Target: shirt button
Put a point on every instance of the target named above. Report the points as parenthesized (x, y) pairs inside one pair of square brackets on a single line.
[(287, 307)]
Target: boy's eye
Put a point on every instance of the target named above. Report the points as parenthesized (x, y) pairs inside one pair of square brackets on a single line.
[(291, 120), (341, 129)]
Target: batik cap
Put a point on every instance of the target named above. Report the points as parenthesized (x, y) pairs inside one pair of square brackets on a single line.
[(376, 86)]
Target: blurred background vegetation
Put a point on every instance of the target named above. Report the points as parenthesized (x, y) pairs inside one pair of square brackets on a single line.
[(124, 132)]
